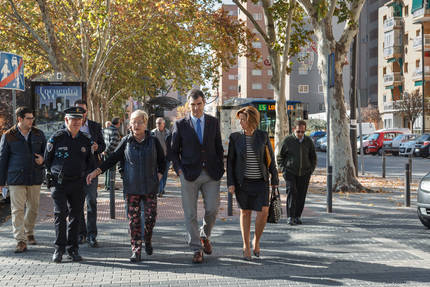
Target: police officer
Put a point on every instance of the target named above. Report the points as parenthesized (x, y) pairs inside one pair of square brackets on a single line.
[(68, 157)]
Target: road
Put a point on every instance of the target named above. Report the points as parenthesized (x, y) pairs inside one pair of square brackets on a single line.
[(395, 165)]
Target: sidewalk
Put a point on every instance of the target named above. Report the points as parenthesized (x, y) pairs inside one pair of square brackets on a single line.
[(368, 240)]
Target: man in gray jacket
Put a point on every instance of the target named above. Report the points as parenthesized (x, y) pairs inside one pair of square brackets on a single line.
[(162, 134), (297, 160)]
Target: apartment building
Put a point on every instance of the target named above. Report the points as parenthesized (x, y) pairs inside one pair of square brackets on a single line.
[(401, 55), (367, 76)]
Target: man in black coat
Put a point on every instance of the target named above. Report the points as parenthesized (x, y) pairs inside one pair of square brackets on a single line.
[(21, 167), (88, 229), (197, 156)]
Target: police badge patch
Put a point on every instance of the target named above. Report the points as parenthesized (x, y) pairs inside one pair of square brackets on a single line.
[(83, 149), (49, 147)]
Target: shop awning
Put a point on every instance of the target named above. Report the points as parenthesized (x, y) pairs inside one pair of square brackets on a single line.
[(416, 5), (418, 83), (389, 87)]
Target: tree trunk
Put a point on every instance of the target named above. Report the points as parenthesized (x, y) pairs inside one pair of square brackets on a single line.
[(340, 147)]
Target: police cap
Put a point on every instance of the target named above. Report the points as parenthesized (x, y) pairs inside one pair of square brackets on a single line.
[(74, 112)]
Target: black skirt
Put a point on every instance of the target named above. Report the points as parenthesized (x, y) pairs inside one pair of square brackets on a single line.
[(253, 194)]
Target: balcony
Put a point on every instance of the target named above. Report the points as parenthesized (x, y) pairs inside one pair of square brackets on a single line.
[(418, 43), (418, 74), (393, 52), (393, 79), (393, 23), (391, 106), (422, 14)]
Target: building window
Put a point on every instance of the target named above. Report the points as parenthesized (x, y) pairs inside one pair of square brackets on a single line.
[(269, 72), (406, 39), (417, 33), (406, 10), (303, 70), (232, 88), (256, 45), (320, 89), (417, 63), (405, 68), (256, 86), (232, 77), (257, 16), (256, 72), (384, 18), (269, 86), (322, 107), (303, 89), (384, 71), (385, 98)]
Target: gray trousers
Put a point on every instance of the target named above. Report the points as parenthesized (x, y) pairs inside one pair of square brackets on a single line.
[(190, 194)]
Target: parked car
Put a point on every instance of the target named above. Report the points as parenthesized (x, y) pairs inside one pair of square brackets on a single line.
[(323, 146), (422, 145), (407, 148), (319, 142), (377, 139), (393, 146), (423, 201), (316, 135), (365, 143)]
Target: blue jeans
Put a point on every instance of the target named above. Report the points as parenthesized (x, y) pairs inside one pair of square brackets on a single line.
[(89, 227), (163, 180)]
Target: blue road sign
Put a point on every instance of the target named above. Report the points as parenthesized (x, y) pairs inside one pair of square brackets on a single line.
[(11, 72)]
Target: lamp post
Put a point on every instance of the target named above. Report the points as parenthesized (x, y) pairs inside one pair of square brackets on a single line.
[(423, 78)]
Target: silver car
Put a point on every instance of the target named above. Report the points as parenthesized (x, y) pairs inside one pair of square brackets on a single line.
[(423, 201)]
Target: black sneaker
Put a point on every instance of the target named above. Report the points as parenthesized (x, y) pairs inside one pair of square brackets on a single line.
[(92, 242), (74, 254), (81, 239), (58, 256)]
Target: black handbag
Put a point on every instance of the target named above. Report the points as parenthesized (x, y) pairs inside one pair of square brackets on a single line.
[(275, 206)]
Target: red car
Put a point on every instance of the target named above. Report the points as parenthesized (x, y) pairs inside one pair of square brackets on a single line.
[(377, 139)]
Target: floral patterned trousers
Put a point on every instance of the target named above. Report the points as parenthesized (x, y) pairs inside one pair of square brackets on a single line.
[(134, 213)]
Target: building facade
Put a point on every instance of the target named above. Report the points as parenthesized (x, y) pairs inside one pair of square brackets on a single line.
[(401, 57)]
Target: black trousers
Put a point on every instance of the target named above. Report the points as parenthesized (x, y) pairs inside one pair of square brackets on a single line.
[(297, 187), (68, 202)]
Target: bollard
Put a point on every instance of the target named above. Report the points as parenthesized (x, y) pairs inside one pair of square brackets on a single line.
[(329, 189), (383, 163), (410, 167), (111, 195), (407, 186), (229, 204)]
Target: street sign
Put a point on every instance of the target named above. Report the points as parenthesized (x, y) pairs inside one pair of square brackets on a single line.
[(11, 72)]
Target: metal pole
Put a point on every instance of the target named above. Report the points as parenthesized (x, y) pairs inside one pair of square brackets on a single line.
[(407, 186), (360, 130), (229, 204), (352, 103), (111, 194), (383, 163), (14, 106), (423, 78), (329, 189), (410, 167)]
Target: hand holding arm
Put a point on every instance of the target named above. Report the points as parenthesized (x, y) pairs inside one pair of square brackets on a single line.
[(93, 175)]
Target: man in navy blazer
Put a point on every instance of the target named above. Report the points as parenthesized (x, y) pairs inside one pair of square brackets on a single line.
[(197, 156), (93, 129)]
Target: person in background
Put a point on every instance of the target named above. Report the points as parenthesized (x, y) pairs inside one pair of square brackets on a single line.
[(21, 167), (143, 162), (297, 159), (112, 138), (249, 175), (88, 229), (162, 134), (198, 159), (108, 124)]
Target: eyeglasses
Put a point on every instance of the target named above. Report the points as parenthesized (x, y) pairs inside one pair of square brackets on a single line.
[(30, 119), (300, 132)]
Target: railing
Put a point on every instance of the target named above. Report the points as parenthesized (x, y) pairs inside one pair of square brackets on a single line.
[(393, 77), (418, 41), (389, 24), (418, 73), (390, 51)]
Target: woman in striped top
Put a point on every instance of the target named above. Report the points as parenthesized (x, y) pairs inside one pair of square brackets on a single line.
[(248, 176)]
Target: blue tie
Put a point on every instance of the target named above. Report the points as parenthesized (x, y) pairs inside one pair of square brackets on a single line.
[(199, 131)]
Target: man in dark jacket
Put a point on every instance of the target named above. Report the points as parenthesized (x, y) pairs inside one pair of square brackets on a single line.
[(21, 167), (88, 229), (297, 160), (197, 156), (112, 139)]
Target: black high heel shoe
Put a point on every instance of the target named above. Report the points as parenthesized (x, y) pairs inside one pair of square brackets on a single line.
[(256, 253), (245, 257)]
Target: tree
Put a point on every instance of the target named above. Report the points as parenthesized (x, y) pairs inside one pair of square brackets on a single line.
[(371, 114), (410, 107), (322, 13), (316, 125), (122, 48), (283, 34)]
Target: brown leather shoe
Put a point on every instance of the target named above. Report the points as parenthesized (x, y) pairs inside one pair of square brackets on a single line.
[(207, 247), (31, 240), (198, 257), (21, 247)]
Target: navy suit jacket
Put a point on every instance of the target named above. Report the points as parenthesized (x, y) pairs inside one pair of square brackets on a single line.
[(190, 156)]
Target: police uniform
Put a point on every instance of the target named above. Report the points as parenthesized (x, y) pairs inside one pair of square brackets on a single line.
[(68, 161)]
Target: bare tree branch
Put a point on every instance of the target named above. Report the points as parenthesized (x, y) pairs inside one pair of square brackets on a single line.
[(252, 19)]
